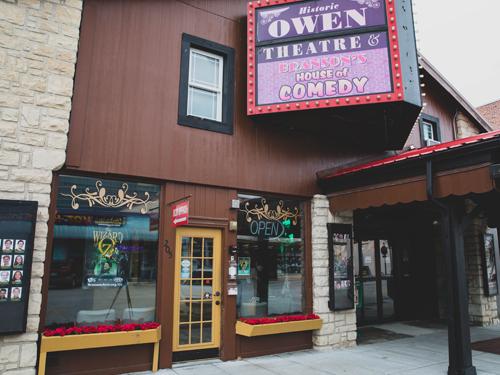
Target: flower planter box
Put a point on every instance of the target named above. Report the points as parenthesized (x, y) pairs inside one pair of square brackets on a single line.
[(99, 340), (249, 330)]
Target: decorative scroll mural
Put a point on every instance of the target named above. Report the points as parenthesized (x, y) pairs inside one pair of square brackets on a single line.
[(280, 213), (100, 197)]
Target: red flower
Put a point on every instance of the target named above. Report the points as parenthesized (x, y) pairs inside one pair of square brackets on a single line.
[(279, 319), (63, 331)]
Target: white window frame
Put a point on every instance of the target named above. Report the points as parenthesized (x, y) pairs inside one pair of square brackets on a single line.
[(433, 128), (217, 90)]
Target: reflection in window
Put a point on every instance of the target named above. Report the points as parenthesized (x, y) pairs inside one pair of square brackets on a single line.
[(270, 257), (103, 266)]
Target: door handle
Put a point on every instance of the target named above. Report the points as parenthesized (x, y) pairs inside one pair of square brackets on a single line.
[(217, 294), (217, 303)]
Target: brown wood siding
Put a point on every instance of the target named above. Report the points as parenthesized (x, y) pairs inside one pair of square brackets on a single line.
[(103, 361), (273, 344), (124, 118)]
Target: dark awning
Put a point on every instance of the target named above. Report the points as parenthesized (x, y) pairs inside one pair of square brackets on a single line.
[(461, 167)]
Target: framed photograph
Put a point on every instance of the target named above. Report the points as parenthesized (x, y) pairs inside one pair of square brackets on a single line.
[(20, 246), (4, 277), (7, 245), (489, 265), (4, 294), (16, 294), (17, 277), (5, 261), (18, 261)]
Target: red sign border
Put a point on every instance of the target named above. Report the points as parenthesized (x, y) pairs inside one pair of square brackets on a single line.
[(397, 95)]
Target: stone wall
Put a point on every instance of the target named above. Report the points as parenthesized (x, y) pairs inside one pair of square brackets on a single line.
[(339, 328), (38, 44), (464, 126)]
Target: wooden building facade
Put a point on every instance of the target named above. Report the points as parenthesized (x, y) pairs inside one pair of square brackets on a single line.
[(125, 129)]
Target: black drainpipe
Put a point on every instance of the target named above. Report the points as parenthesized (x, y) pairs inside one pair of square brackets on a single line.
[(452, 217)]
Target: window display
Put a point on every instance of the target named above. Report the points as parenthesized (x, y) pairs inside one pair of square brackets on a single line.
[(270, 257), (489, 265), (17, 228), (103, 267), (341, 267)]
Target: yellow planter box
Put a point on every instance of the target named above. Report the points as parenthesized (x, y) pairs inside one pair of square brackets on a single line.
[(249, 330), (99, 340)]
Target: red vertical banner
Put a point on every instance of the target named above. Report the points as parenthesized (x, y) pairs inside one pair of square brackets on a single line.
[(180, 214)]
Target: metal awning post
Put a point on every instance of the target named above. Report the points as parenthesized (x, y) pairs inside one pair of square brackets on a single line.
[(459, 345)]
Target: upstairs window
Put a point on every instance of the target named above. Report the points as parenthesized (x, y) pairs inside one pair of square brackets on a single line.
[(429, 130), (206, 85)]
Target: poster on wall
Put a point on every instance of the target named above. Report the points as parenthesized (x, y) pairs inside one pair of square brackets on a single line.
[(341, 277), (107, 265), (244, 264), (17, 230), (489, 265)]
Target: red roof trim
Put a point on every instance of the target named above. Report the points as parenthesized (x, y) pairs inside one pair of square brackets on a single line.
[(414, 154)]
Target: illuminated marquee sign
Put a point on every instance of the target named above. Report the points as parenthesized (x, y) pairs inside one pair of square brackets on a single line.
[(322, 54)]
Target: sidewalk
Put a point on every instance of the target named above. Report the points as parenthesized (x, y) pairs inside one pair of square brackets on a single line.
[(425, 353)]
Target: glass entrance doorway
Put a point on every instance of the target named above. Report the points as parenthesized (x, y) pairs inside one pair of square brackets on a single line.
[(197, 296), (373, 267)]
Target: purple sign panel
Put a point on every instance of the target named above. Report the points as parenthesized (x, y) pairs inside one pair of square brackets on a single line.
[(323, 68), (316, 17)]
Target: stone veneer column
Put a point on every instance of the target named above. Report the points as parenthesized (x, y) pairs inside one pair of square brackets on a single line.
[(38, 45), (339, 328), (483, 310)]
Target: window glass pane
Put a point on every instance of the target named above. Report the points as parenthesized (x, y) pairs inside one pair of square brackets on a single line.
[(428, 131), (103, 266), (204, 70), (270, 257), (202, 103)]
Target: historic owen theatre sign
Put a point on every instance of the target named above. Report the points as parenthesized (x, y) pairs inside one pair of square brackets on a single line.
[(324, 54)]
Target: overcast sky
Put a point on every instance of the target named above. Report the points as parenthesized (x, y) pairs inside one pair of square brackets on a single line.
[(460, 38)]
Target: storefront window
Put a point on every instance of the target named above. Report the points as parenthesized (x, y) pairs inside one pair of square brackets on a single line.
[(270, 257), (103, 266)]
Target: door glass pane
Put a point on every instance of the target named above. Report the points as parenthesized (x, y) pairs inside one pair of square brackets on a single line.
[(184, 334), (197, 247), (195, 333), (197, 290), (186, 247), (386, 262), (207, 311), (196, 312), (207, 332), (207, 268), (208, 248), (370, 300), (204, 69), (202, 103), (184, 311), (387, 298), (207, 290), (185, 290), (367, 273)]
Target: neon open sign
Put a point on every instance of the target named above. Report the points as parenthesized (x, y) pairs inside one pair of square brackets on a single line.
[(321, 54)]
